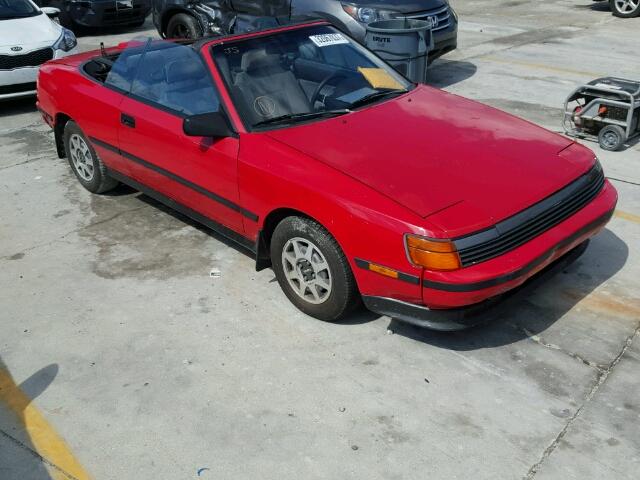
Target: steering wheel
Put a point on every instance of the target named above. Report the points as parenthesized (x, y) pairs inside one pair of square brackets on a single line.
[(323, 83)]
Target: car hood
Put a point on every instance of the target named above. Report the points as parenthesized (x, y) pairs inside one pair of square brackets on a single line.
[(429, 150), (27, 32), (402, 6)]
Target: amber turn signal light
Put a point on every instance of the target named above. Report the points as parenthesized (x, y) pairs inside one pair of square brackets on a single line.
[(432, 254)]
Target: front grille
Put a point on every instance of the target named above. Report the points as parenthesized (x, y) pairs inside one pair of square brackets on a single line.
[(31, 59), (443, 15), (524, 226), (17, 88), (116, 16)]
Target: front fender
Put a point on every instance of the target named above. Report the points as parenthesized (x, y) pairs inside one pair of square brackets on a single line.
[(366, 224)]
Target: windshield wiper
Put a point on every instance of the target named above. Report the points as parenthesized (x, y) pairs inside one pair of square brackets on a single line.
[(301, 116), (375, 96)]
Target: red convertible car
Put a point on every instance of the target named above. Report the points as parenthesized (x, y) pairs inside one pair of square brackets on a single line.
[(352, 183)]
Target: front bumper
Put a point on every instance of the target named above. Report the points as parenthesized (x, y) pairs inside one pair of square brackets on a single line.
[(109, 13), (21, 82), (464, 317)]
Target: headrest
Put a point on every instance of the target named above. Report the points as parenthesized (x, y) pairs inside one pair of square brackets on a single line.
[(255, 59), (181, 70)]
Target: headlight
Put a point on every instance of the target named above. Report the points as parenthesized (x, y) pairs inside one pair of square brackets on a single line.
[(66, 42), (366, 14), (432, 254)]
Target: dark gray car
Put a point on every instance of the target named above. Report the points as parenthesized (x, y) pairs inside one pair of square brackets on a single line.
[(197, 18)]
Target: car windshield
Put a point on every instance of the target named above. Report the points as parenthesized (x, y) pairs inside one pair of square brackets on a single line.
[(10, 9), (303, 74)]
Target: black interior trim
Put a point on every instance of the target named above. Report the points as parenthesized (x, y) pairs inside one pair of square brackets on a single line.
[(207, 193)]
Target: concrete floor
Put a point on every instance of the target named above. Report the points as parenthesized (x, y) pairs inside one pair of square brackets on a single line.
[(149, 368)]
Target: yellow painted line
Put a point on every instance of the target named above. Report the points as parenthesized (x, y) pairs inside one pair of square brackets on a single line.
[(542, 66), (627, 216), (44, 439)]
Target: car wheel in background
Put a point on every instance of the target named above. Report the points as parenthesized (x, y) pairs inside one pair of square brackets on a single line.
[(84, 161), (312, 269), (612, 138), (625, 8), (183, 25)]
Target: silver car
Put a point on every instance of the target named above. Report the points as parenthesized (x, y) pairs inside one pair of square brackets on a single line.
[(197, 18)]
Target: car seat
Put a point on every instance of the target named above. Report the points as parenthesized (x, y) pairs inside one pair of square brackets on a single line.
[(268, 88), (188, 88)]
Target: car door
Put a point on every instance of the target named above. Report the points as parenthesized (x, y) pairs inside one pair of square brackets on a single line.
[(173, 82), (101, 102)]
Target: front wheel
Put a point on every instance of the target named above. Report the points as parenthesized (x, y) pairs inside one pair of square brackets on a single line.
[(312, 270), (183, 25), (625, 8)]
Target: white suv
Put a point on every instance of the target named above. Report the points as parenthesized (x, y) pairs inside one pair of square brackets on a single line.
[(28, 38)]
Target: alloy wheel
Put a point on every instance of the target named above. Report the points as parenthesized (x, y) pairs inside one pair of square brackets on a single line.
[(306, 270), (627, 6), (81, 157)]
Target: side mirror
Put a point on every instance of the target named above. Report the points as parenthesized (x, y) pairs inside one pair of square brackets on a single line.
[(50, 12), (212, 124)]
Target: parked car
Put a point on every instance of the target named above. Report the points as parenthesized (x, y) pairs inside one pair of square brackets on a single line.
[(624, 8), (28, 38), (318, 158), (77, 14), (196, 18)]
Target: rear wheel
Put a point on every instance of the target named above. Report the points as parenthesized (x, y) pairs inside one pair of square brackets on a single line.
[(612, 138), (84, 161), (312, 270), (625, 8), (183, 25)]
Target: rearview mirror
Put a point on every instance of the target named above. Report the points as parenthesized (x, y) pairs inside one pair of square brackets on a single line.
[(212, 124), (50, 12)]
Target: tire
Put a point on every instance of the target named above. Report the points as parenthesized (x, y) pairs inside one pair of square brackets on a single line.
[(299, 270), (84, 161), (625, 8), (612, 138), (183, 25)]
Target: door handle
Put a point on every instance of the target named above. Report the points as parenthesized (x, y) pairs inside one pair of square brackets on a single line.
[(127, 120)]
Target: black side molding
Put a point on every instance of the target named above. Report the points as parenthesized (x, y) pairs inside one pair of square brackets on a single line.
[(207, 193), (405, 277), (226, 232)]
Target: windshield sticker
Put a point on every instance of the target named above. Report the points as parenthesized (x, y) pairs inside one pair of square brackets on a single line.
[(380, 78), (327, 39)]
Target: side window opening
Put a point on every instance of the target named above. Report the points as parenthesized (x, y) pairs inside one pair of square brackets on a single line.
[(168, 74), (175, 77)]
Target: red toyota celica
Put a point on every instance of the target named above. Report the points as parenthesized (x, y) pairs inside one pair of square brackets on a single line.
[(351, 182)]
